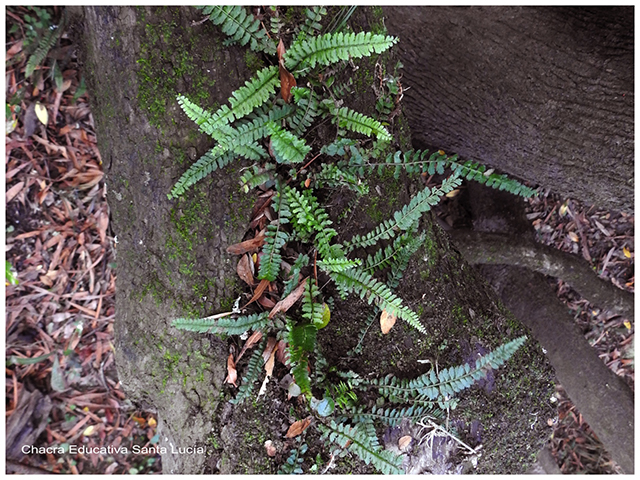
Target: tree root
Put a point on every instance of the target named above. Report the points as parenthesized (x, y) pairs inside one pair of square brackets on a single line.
[(494, 248), (603, 399)]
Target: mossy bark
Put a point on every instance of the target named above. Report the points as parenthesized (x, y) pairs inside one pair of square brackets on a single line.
[(172, 262)]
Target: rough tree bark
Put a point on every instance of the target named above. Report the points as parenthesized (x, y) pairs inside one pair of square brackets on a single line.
[(172, 262), (542, 93)]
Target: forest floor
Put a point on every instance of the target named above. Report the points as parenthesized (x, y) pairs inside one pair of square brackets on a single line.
[(61, 277)]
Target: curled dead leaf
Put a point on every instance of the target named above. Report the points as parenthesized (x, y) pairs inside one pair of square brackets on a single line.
[(287, 81), (387, 321), (251, 341), (247, 246), (232, 373), (245, 270), (286, 303), (298, 427)]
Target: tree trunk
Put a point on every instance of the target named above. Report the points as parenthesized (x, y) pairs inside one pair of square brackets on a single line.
[(545, 94), (172, 262)]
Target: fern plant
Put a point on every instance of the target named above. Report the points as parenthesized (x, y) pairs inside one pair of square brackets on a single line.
[(272, 132)]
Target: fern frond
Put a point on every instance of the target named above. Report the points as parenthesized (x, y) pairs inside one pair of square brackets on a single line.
[(306, 112), (302, 340), (229, 326), (312, 21), (359, 442), (333, 47), (370, 289), (308, 217), (47, 42), (335, 265), (215, 158), (252, 374), (393, 416), (360, 123), (256, 176), (245, 99), (294, 274), (271, 258), (407, 218), (416, 162), (332, 176), (438, 387), (287, 148), (241, 27), (312, 311)]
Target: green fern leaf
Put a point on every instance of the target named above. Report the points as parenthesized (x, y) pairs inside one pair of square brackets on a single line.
[(251, 375), (331, 48), (287, 148), (407, 218), (215, 158), (370, 289), (44, 45), (359, 442), (242, 28), (357, 122)]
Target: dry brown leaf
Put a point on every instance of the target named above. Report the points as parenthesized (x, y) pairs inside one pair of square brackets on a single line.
[(387, 320), (574, 237), (13, 191), (244, 270), (251, 341), (281, 353), (287, 81), (232, 373), (266, 302), (286, 303), (262, 286), (272, 343), (103, 224), (298, 427), (246, 246), (404, 442), (268, 367)]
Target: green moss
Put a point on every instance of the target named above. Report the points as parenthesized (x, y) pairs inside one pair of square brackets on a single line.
[(253, 62)]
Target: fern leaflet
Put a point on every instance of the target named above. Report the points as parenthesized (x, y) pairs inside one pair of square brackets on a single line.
[(252, 373), (229, 326)]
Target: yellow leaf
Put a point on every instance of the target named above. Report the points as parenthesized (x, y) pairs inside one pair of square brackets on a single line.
[(387, 320), (441, 152), (404, 442), (41, 113), (326, 316), (90, 430), (453, 193), (152, 422), (626, 252), (564, 209), (574, 237), (627, 324)]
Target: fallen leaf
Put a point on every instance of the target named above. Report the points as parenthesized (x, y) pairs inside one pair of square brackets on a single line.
[(404, 442), (298, 427), (627, 324), (246, 246), (152, 422), (626, 252), (232, 373), (271, 450), (13, 191), (287, 81), (286, 303), (90, 430), (251, 341), (268, 367), (307, 182), (387, 320), (281, 353), (41, 113), (262, 286), (326, 317), (452, 193), (574, 237), (266, 302), (272, 343), (564, 208), (244, 270)]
